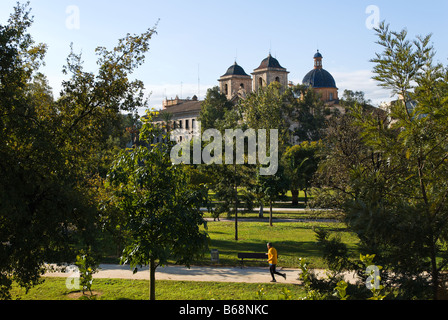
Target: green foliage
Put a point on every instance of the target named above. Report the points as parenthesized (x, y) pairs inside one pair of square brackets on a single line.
[(392, 173), (301, 163), (161, 211), (213, 109), (87, 268), (51, 150), (341, 290), (310, 114)]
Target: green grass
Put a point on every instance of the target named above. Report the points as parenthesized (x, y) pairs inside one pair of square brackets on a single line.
[(118, 289), (293, 240)]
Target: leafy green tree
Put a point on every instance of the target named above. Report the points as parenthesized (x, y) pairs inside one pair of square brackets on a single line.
[(230, 182), (49, 149), (301, 163), (162, 210), (213, 109), (268, 108), (270, 189), (309, 113), (342, 150), (351, 98), (396, 187)]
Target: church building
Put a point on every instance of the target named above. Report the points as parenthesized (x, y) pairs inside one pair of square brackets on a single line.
[(236, 84), (322, 81)]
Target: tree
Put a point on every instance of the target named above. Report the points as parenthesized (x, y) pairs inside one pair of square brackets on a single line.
[(310, 114), (230, 182), (213, 109), (351, 98), (268, 108), (301, 163), (270, 189), (49, 149), (414, 144), (396, 184), (162, 209), (37, 201)]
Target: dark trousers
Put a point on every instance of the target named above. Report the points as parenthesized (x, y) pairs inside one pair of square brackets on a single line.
[(274, 271)]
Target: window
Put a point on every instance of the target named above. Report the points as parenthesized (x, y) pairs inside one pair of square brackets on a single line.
[(226, 89), (277, 79), (242, 86), (260, 82), (187, 124)]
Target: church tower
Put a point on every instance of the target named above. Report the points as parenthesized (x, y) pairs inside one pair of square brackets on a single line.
[(235, 83), (322, 81), (269, 71)]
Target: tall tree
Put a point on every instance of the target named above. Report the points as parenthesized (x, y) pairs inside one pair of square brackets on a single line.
[(213, 109), (301, 163), (309, 113), (162, 209), (49, 149), (397, 195)]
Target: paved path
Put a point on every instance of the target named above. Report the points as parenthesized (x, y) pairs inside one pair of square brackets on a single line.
[(213, 274)]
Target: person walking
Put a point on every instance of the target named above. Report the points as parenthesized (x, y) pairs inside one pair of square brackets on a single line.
[(273, 260)]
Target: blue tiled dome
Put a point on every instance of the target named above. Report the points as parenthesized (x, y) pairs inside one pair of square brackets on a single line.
[(319, 78), (317, 55)]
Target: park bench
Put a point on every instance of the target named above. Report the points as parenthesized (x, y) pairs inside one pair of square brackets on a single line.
[(252, 256)]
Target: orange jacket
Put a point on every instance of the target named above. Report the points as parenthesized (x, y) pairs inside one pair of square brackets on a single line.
[(272, 256)]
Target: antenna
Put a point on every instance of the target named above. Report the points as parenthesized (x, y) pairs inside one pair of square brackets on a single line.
[(199, 83)]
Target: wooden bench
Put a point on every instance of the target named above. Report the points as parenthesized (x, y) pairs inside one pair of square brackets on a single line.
[(252, 256)]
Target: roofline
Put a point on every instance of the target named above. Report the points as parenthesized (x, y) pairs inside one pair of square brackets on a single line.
[(256, 71)]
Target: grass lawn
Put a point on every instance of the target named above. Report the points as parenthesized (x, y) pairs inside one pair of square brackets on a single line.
[(293, 240), (118, 289)]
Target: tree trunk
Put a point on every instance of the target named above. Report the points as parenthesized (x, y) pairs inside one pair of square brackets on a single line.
[(434, 271), (260, 212), (295, 197), (152, 279), (270, 213), (236, 206)]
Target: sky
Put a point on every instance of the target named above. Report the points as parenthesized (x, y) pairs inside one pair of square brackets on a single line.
[(198, 40)]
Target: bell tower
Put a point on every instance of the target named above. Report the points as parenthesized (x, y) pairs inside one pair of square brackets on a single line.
[(235, 82), (269, 71)]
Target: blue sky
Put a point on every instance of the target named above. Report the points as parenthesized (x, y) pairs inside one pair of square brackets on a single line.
[(201, 39)]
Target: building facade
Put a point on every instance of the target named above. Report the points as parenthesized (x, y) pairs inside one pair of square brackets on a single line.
[(236, 84)]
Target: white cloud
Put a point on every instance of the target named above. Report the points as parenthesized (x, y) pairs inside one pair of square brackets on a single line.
[(361, 80), (161, 91)]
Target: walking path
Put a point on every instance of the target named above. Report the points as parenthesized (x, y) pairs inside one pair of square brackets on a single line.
[(198, 274), (213, 274)]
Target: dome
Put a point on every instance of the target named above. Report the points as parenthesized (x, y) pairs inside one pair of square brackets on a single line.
[(319, 78), (235, 70), (317, 55), (270, 62)]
